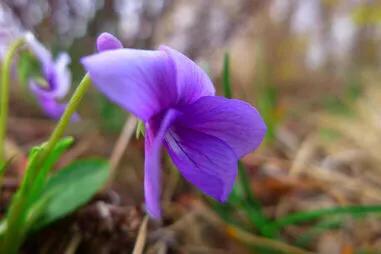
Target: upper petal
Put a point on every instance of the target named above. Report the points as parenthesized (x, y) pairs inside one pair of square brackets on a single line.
[(191, 81), (61, 77), (107, 41), (152, 171), (141, 81), (41, 52), (235, 122), (58, 81), (205, 161)]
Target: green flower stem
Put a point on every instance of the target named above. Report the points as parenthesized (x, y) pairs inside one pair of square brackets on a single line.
[(72, 106), (16, 217), (4, 96)]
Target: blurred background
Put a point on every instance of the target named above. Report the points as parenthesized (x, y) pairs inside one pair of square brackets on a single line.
[(312, 68)]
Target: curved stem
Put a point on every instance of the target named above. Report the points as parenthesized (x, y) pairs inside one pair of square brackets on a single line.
[(66, 117), (4, 100)]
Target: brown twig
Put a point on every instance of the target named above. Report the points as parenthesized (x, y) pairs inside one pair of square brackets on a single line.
[(249, 238), (121, 145), (141, 238)]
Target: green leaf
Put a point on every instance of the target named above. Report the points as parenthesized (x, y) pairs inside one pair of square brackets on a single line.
[(140, 130), (226, 81), (14, 234), (41, 174), (70, 188), (56, 153)]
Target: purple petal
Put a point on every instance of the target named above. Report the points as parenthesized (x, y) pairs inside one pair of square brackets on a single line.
[(205, 161), (192, 82), (55, 73), (107, 41), (235, 122), (152, 172), (54, 109), (61, 77), (41, 52), (49, 104), (140, 81)]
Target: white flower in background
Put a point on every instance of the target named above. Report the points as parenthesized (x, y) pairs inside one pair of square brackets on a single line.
[(72, 17), (136, 16), (69, 18), (10, 28)]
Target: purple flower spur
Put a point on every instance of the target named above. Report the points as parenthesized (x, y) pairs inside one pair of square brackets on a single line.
[(204, 134), (56, 80)]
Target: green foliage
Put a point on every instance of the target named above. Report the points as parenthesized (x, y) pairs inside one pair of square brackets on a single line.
[(300, 217), (35, 178), (15, 220), (336, 105), (343, 103), (226, 82), (242, 197), (311, 234), (243, 207), (70, 188), (369, 14), (267, 105), (354, 87), (28, 67), (329, 135), (140, 130), (43, 198)]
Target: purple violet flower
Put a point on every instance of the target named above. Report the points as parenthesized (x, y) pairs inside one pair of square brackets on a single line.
[(56, 79), (204, 134)]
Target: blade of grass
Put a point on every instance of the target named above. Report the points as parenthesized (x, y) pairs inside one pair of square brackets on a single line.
[(300, 217), (242, 196), (310, 235), (263, 242), (226, 77), (271, 245), (225, 212)]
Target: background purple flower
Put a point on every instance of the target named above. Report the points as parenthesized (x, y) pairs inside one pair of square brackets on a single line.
[(204, 134), (56, 79)]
